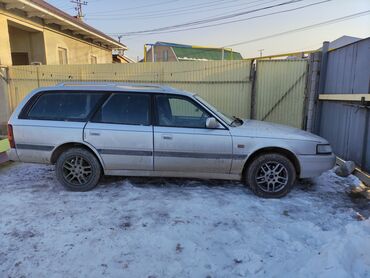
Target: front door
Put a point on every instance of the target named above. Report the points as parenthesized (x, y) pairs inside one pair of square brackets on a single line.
[(122, 133), (183, 143)]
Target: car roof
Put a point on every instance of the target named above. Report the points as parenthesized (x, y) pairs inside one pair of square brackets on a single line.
[(116, 87)]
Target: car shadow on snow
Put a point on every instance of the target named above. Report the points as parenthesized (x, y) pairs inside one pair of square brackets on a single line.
[(145, 182), (35, 178)]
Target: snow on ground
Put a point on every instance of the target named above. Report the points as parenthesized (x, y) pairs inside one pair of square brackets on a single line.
[(141, 227)]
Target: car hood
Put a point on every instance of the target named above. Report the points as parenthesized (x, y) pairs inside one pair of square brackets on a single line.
[(253, 128)]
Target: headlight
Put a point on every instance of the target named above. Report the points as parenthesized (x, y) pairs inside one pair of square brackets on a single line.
[(323, 149)]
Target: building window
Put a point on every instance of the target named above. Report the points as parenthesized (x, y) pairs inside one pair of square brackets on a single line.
[(165, 55), (63, 57), (93, 59)]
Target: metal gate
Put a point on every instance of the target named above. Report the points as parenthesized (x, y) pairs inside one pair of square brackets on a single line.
[(280, 91)]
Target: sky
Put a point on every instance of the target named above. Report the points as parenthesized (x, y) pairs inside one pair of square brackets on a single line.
[(115, 17)]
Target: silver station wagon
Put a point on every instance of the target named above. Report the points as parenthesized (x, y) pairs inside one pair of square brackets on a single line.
[(91, 129)]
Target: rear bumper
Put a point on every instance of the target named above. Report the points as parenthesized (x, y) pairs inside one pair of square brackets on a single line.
[(315, 165), (12, 155)]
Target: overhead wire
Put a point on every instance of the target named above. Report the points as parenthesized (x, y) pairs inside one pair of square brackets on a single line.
[(178, 11), (112, 12), (234, 8), (214, 19), (324, 23), (231, 21)]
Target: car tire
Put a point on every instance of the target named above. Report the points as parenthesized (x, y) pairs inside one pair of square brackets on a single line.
[(78, 169), (271, 175)]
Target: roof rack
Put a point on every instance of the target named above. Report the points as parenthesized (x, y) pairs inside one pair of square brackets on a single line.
[(115, 85), (110, 84), (76, 83)]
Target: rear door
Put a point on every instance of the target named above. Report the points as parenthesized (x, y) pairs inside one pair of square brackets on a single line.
[(122, 133)]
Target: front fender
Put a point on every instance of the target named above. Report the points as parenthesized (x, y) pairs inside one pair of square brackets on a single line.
[(246, 147)]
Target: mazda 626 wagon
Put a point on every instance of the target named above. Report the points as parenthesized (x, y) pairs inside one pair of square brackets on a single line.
[(90, 130)]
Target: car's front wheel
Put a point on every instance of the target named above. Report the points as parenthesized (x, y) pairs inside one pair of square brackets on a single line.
[(78, 169), (271, 175)]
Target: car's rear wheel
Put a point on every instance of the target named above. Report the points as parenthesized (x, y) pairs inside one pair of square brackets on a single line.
[(78, 169), (271, 175)]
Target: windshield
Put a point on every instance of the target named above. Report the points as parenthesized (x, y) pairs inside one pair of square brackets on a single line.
[(227, 119)]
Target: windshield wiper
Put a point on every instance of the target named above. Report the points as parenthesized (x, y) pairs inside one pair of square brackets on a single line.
[(236, 120)]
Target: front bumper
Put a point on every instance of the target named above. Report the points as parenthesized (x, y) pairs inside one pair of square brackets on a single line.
[(12, 155), (315, 165)]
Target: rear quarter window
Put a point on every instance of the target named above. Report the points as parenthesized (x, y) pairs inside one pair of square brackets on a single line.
[(64, 106)]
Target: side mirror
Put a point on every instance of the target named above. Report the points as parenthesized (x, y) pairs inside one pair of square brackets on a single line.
[(212, 123)]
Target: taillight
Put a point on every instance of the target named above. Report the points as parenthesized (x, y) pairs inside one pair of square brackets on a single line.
[(11, 137)]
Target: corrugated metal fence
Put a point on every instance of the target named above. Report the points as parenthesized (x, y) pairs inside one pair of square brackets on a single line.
[(347, 124), (225, 84), (279, 94)]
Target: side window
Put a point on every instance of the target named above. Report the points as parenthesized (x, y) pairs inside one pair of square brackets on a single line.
[(64, 106), (63, 56), (180, 112), (93, 59), (124, 108)]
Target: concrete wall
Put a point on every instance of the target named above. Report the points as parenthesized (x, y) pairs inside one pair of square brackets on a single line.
[(79, 52), (5, 56), (5, 59), (37, 47), (43, 41)]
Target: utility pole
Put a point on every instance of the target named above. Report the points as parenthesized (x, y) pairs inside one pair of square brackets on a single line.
[(261, 50), (78, 8)]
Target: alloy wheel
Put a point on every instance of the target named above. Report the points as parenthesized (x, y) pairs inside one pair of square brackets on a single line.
[(77, 170), (272, 176)]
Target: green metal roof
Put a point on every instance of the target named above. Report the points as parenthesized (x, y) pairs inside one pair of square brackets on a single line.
[(188, 53)]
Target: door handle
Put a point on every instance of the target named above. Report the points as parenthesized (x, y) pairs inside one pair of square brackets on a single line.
[(94, 133), (167, 137)]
